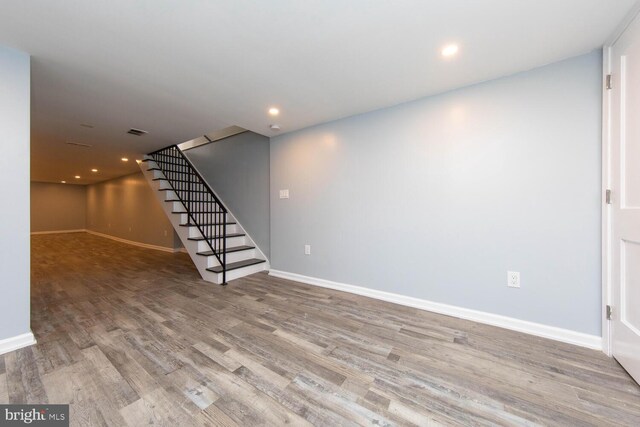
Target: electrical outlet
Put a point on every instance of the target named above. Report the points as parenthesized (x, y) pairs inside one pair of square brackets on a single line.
[(129, 228), (307, 249), (284, 194), (513, 279), (165, 233)]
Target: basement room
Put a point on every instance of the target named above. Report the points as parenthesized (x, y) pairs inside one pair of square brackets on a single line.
[(328, 213)]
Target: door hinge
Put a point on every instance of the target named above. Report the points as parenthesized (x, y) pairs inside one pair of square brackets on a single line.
[(607, 197), (608, 84), (609, 312)]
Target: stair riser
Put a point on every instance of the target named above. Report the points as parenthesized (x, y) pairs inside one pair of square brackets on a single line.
[(163, 185), (184, 217), (169, 195), (212, 261), (200, 207), (180, 207), (161, 175), (213, 231), (231, 241), (241, 272)]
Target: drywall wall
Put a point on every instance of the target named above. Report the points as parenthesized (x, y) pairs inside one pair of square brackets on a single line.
[(126, 208), (15, 119), (237, 169), (438, 198), (58, 207)]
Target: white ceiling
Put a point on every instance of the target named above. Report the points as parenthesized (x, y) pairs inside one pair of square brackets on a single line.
[(182, 68)]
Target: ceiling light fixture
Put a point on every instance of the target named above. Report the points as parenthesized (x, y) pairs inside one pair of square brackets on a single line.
[(124, 159), (77, 176), (274, 127), (449, 50), (274, 111), (64, 182), (94, 170)]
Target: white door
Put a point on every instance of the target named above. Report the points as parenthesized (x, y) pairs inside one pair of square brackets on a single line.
[(625, 199)]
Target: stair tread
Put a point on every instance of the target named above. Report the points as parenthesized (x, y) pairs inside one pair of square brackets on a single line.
[(189, 224), (163, 161), (178, 180), (228, 250), (199, 212), (187, 191), (236, 265), (218, 237)]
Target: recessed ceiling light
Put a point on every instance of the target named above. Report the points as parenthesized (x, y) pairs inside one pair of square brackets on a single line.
[(124, 159), (274, 111), (450, 50), (94, 170), (77, 176), (63, 182)]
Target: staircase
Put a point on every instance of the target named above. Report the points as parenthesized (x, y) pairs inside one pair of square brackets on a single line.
[(216, 242)]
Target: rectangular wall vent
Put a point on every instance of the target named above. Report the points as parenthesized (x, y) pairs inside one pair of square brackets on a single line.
[(79, 144), (136, 132)]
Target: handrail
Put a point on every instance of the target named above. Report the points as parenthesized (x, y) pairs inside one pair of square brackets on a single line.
[(209, 216)]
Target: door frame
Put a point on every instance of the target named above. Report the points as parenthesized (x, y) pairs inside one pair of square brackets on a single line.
[(606, 211), (607, 58)]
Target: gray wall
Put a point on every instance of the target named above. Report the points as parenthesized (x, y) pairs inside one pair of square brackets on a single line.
[(237, 169), (126, 207), (57, 207), (14, 174), (438, 198)]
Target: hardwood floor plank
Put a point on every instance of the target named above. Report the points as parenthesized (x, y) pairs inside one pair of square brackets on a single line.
[(156, 408), (4, 391), (23, 379)]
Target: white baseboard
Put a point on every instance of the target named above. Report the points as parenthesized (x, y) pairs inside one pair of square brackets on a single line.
[(537, 329), (14, 343), (80, 230), (134, 243)]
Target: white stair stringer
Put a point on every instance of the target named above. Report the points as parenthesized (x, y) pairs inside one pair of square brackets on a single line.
[(172, 209)]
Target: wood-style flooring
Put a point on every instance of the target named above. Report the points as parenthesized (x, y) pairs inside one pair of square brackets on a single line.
[(131, 336)]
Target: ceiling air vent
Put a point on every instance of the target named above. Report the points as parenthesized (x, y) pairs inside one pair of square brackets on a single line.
[(136, 132), (79, 144)]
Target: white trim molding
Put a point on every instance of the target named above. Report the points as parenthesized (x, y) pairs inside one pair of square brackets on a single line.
[(80, 230), (17, 342), (131, 242), (537, 329)]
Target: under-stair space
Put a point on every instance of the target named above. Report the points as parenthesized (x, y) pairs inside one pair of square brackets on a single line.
[(216, 242)]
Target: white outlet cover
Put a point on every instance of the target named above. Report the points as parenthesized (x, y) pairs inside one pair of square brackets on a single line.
[(307, 249), (513, 279), (284, 194)]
